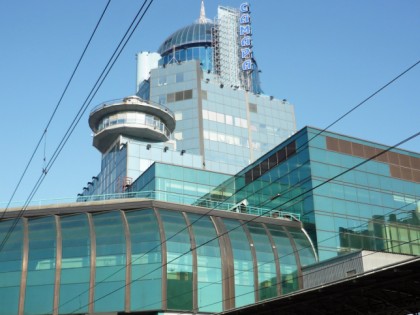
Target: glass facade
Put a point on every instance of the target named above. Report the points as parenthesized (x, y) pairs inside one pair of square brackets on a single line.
[(228, 127), (11, 261), (221, 124), (143, 258), (374, 206), (179, 184), (75, 263), (193, 42), (133, 118)]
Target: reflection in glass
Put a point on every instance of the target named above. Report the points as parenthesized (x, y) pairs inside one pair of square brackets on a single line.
[(179, 261), (209, 264), (146, 260)]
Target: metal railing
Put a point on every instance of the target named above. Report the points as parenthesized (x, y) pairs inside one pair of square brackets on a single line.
[(168, 197), (120, 101)]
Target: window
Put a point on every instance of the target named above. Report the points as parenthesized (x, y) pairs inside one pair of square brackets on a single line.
[(253, 108), (170, 98), (187, 94)]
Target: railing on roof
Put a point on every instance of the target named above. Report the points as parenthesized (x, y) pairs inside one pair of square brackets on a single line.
[(169, 197), (121, 101)]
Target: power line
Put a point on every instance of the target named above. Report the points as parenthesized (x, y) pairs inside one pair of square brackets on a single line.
[(77, 119), (44, 133), (250, 220), (78, 116)]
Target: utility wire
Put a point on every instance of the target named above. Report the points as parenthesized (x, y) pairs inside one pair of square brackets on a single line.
[(330, 125), (315, 271), (280, 258), (83, 109), (252, 219), (78, 116), (54, 111)]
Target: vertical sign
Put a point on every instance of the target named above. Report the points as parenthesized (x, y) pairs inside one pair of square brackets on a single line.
[(245, 36)]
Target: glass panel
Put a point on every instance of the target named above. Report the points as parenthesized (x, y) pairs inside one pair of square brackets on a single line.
[(75, 264), (243, 264), (209, 264), (146, 260), (10, 266), (41, 266), (179, 261), (288, 264), (303, 246), (110, 262), (267, 278)]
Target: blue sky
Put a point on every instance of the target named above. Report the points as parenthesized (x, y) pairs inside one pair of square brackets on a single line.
[(323, 56)]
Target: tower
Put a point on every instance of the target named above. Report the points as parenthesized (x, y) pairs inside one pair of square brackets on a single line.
[(205, 77)]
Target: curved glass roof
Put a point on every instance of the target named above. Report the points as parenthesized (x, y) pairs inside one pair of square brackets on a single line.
[(197, 33), (52, 253)]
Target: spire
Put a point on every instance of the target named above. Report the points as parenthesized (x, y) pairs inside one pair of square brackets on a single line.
[(202, 19)]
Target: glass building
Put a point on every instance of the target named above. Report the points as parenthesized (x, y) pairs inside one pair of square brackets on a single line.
[(198, 104), (146, 256), (374, 206)]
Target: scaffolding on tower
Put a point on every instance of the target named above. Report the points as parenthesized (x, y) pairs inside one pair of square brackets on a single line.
[(225, 38)]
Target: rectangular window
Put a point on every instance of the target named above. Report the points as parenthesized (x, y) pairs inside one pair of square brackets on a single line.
[(212, 116), (187, 94), (229, 120), (179, 96), (253, 108), (170, 98), (220, 118)]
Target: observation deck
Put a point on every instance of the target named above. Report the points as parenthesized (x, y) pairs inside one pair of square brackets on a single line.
[(131, 117)]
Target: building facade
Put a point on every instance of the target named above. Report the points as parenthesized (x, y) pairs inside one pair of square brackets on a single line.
[(139, 255), (199, 104), (374, 206)]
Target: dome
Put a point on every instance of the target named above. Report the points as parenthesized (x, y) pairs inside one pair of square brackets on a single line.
[(197, 34)]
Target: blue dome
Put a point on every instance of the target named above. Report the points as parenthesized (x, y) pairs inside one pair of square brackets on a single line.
[(197, 34)]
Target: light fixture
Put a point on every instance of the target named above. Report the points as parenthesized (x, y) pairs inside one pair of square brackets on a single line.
[(90, 183), (182, 152), (165, 149), (95, 178), (148, 146)]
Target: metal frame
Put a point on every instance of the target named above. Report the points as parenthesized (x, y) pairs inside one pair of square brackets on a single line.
[(297, 257), (92, 263), (128, 266), (164, 260), (228, 272), (58, 259), (24, 274), (276, 259), (225, 247), (254, 260), (193, 246)]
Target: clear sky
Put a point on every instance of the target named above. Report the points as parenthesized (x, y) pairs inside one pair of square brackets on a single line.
[(323, 56)]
